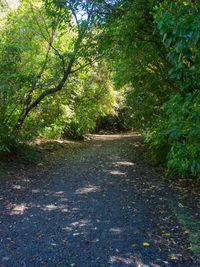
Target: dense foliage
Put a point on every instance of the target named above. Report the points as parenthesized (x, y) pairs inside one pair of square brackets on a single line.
[(65, 58), (179, 131), (44, 69)]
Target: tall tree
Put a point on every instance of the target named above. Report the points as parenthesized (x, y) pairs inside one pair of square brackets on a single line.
[(139, 59), (68, 42)]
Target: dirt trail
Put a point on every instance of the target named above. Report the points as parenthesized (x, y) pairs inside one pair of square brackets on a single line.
[(96, 203)]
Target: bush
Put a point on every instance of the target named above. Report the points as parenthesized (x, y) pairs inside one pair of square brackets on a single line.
[(79, 128), (176, 141), (7, 140)]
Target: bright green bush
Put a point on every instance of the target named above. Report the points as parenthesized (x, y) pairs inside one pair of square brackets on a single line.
[(92, 98), (179, 25), (79, 128), (176, 140)]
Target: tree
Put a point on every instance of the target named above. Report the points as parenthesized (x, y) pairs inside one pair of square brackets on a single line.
[(62, 18), (154, 48), (139, 60), (42, 47), (179, 131)]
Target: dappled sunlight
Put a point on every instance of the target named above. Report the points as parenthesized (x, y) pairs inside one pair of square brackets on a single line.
[(65, 210), (35, 191), (105, 137), (137, 144), (89, 189), (130, 260), (75, 209), (50, 207), (116, 230), (80, 223), (68, 229), (17, 209), (118, 259), (17, 187), (123, 163), (59, 193), (116, 173), (96, 213), (41, 142), (74, 226)]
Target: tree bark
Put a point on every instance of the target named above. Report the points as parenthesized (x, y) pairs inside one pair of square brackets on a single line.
[(44, 94)]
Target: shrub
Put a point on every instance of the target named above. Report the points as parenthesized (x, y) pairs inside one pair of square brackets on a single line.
[(7, 140), (176, 141)]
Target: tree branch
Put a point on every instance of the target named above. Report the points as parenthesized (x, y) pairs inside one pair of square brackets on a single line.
[(43, 95), (87, 64)]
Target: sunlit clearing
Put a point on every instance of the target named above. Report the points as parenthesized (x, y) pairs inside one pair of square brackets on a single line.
[(89, 189), (106, 137), (123, 163), (112, 136)]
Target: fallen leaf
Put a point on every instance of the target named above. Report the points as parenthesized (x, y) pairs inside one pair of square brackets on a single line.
[(53, 244), (145, 244), (173, 257)]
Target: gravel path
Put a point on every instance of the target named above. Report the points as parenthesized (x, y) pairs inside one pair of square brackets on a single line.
[(93, 204)]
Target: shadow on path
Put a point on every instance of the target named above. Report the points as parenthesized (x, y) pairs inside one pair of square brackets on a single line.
[(96, 204)]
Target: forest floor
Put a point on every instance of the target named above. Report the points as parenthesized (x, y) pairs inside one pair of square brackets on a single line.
[(96, 203)]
